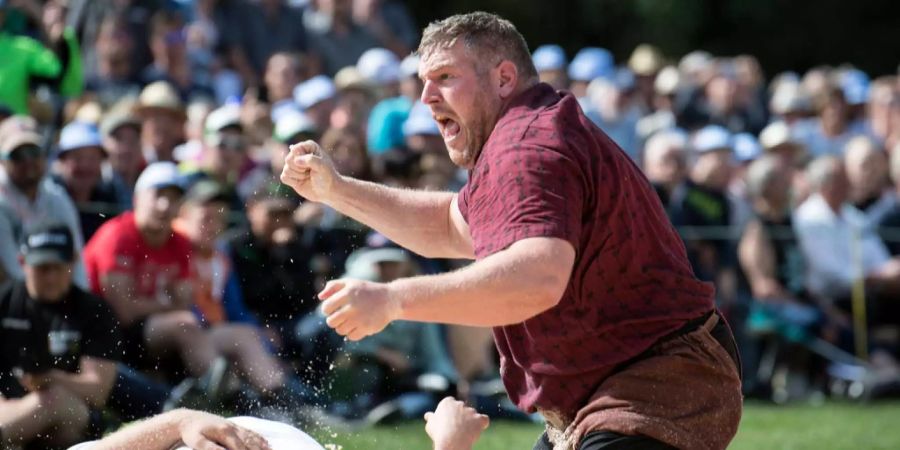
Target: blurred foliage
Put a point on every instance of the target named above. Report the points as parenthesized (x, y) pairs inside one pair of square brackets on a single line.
[(783, 34)]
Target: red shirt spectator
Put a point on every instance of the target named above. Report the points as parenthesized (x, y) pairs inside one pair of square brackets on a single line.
[(119, 247), (546, 171)]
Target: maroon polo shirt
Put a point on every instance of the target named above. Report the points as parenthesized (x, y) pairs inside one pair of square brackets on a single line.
[(547, 171)]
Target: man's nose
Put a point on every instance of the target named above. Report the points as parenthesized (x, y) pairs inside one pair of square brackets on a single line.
[(430, 93)]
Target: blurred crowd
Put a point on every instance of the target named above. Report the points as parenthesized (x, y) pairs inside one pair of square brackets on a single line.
[(151, 258)]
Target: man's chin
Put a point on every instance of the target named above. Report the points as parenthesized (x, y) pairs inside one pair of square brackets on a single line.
[(462, 158)]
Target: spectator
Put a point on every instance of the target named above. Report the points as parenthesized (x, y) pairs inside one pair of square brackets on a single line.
[(613, 111), (717, 103), (665, 165), (830, 132), (337, 39), (142, 270), (224, 152), (550, 62), (780, 139), (829, 228), (704, 203), (665, 89), (284, 71), (28, 196), (867, 171), (356, 97), (410, 84), (390, 22), (421, 132), (57, 61), (645, 62), (588, 64), (789, 103), (121, 133), (884, 102), (79, 171), (219, 303), (115, 75), (274, 261), (385, 126), (162, 121), (890, 223), (168, 43), (67, 351), (290, 128), (316, 97), (268, 27)]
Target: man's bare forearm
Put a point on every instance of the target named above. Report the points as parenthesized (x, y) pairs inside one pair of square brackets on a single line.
[(417, 220)]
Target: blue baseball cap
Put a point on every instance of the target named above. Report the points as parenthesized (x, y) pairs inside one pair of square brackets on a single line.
[(549, 57), (78, 135), (855, 85), (746, 147), (590, 63), (711, 138)]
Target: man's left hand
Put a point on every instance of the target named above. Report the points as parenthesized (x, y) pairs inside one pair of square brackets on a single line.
[(356, 309)]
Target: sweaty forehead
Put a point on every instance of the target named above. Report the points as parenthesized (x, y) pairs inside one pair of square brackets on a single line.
[(441, 57)]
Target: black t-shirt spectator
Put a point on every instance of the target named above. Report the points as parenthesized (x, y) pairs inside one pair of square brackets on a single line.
[(278, 282), (693, 209), (36, 336)]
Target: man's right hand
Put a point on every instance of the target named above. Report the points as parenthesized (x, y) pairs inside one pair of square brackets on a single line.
[(200, 430), (454, 426), (309, 171)]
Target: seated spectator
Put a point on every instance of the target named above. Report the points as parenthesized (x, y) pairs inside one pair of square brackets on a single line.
[(291, 128), (219, 301), (224, 152), (829, 229), (355, 99), (829, 133), (704, 203), (268, 27), (662, 115), (28, 196), (168, 43), (884, 102), (717, 104), (284, 71), (390, 22), (26, 60), (162, 121), (550, 62), (646, 61), (388, 364), (613, 110), (58, 352), (142, 270), (665, 165), (316, 98), (279, 270), (79, 162), (867, 171), (384, 131), (337, 39), (121, 133), (114, 78)]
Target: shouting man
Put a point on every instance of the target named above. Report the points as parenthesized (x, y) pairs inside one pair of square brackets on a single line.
[(600, 323)]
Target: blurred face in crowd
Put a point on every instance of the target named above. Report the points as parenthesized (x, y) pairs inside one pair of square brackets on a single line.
[(81, 168), (169, 46), (556, 78), (340, 11), (203, 223), (867, 169), (48, 282), (664, 164), (837, 189), (464, 94), (268, 217), (721, 92), (123, 147), (228, 154), (352, 109), (425, 143), (411, 87), (114, 50), (154, 209), (26, 166), (713, 169), (348, 151), (883, 98), (162, 131), (282, 75), (777, 190), (320, 113)]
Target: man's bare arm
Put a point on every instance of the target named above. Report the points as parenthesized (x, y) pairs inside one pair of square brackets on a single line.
[(428, 223)]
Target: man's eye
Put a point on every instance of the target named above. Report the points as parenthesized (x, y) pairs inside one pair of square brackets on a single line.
[(444, 77)]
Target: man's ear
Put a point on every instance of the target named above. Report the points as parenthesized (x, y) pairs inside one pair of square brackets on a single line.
[(507, 78)]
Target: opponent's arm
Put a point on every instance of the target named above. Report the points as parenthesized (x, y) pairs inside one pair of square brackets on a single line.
[(428, 223), (508, 287)]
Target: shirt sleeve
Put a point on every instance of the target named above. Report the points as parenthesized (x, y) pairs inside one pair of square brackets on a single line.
[(9, 247), (42, 62), (527, 191)]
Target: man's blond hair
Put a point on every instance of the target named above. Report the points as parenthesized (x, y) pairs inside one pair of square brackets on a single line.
[(489, 37)]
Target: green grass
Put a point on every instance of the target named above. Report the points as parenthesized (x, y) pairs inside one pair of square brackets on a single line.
[(836, 426)]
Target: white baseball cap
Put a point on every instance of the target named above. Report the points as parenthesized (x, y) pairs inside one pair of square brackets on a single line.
[(710, 138), (314, 90), (379, 65), (159, 175)]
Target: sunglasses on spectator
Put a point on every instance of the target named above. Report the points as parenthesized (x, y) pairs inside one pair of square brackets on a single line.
[(25, 153)]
